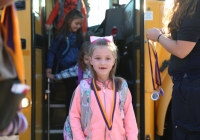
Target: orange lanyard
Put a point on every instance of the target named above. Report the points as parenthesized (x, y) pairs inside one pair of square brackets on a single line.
[(109, 122), (155, 75)]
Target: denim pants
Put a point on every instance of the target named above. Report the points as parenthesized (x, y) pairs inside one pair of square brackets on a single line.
[(186, 109)]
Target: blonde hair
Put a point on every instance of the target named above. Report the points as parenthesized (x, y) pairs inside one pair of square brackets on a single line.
[(113, 48), (175, 12)]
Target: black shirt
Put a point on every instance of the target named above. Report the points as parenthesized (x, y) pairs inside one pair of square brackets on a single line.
[(188, 31)]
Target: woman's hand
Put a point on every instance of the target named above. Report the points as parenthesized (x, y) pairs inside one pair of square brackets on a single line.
[(179, 48), (153, 33), (51, 76), (162, 30)]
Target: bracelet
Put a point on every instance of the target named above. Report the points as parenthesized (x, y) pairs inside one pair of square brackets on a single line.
[(158, 37)]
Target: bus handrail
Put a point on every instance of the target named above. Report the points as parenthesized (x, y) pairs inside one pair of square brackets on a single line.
[(48, 91)]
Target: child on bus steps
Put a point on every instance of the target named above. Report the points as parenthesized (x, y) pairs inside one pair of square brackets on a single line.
[(66, 43), (105, 120), (81, 69), (64, 49)]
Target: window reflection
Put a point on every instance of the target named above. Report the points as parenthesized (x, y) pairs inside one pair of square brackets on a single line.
[(97, 11), (38, 10), (123, 2)]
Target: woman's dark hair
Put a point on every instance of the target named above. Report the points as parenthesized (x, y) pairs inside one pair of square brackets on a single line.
[(83, 51), (64, 30), (176, 14)]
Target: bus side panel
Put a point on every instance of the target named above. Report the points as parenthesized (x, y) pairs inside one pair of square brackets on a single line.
[(152, 8), (24, 17), (162, 103)]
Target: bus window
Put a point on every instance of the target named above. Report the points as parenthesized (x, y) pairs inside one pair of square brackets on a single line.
[(123, 2), (97, 11)]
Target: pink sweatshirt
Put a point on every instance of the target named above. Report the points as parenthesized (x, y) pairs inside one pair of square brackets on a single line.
[(98, 129)]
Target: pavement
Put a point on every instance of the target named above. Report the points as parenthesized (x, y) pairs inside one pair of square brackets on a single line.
[(9, 137)]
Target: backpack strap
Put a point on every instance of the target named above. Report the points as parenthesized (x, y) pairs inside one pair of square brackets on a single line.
[(67, 46), (85, 102), (122, 96), (86, 113), (80, 74), (71, 100)]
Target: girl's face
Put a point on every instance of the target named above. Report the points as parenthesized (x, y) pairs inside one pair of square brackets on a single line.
[(86, 59), (102, 60), (75, 24)]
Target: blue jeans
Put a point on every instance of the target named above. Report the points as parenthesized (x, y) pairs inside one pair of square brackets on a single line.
[(186, 109)]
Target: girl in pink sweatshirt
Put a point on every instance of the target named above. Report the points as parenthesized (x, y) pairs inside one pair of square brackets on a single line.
[(106, 120)]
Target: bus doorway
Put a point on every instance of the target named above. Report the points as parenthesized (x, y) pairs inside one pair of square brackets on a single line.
[(122, 19), (130, 67)]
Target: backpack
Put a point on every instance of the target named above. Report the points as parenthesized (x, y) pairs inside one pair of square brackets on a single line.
[(61, 8), (86, 112)]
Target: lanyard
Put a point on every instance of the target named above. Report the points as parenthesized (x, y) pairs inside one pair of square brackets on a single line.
[(108, 122), (155, 73)]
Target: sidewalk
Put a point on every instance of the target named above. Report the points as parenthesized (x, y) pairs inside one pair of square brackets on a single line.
[(16, 137)]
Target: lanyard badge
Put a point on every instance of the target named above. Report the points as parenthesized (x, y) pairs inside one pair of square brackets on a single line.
[(155, 73)]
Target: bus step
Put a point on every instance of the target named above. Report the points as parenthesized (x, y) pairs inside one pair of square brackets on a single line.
[(57, 105), (55, 131)]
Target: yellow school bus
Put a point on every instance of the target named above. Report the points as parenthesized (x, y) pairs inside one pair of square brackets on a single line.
[(127, 21)]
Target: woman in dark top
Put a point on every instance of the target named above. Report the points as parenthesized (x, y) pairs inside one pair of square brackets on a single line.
[(184, 68)]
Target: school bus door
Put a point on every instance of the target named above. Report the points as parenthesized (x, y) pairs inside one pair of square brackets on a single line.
[(24, 18), (31, 19), (155, 111)]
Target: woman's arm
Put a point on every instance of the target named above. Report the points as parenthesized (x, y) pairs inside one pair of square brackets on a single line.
[(75, 116), (129, 120), (178, 48)]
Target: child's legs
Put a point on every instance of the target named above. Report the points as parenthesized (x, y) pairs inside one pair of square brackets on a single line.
[(70, 84)]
